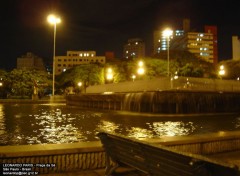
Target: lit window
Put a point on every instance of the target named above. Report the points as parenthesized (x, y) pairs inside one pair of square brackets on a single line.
[(126, 51), (85, 54), (81, 55), (136, 43), (92, 55)]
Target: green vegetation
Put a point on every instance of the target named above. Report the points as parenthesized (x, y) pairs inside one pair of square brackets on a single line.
[(23, 83)]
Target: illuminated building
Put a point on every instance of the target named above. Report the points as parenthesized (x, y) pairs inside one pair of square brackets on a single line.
[(235, 48), (75, 58), (135, 48), (202, 44), (30, 62), (160, 41)]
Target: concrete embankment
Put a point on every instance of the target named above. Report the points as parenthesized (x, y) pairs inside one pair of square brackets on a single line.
[(55, 99), (53, 158), (89, 156), (172, 101)]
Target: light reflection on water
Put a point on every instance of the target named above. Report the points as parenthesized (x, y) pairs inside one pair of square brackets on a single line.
[(58, 123), (173, 128)]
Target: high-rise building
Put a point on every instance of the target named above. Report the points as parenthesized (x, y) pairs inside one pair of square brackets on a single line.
[(30, 61), (160, 41), (134, 48), (74, 58), (235, 48), (202, 44)]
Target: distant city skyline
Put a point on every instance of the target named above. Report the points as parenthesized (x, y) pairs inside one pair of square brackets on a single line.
[(106, 25)]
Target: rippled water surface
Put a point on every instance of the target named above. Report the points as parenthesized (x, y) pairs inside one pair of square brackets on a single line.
[(58, 123)]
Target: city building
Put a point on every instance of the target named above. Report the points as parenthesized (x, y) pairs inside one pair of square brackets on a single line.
[(74, 58), (160, 41), (202, 44), (30, 61), (235, 48), (134, 48)]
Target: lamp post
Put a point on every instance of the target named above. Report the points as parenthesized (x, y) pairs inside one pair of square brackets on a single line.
[(140, 70), (167, 33), (109, 74), (221, 71), (52, 19)]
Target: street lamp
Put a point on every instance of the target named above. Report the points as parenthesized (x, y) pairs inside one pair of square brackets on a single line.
[(52, 19), (221, 71), (133, 77), (167, 33), (140, 70), (109, 74)]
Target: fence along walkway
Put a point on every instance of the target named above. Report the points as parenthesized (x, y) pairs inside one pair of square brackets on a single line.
[(155, 159)]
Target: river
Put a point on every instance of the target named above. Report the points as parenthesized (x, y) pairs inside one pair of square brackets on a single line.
[(23, 124)]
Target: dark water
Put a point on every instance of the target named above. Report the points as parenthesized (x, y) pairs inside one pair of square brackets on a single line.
[(57, 123)]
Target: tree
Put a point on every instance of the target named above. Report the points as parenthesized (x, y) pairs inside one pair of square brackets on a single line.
[(3, 84), (187, 64), (22, 82), (88, 74)]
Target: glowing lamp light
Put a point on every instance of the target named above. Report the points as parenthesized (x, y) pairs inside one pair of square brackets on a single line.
[(79, 84), (109, 74), (52, 19), (140, 71)]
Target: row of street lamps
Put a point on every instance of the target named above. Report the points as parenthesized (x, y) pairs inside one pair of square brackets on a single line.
[(54, 20), (167, 33)]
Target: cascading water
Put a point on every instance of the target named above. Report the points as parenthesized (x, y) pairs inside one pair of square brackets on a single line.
[(181, 102)]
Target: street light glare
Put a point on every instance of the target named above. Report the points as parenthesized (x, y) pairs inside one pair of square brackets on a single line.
[(53, 19), (140, 63), (167, 32)]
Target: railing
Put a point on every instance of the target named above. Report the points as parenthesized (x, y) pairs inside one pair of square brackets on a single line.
[(52, 158), (161, 84)]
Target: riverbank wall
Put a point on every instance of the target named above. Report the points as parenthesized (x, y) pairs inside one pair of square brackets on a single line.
[(172, 101), (52, 158), (63, 158), (45, 100)]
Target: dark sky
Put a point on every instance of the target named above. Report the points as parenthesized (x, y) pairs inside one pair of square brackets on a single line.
[(105, 25)]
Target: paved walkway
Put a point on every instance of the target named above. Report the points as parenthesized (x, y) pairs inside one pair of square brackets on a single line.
[(100, 172)]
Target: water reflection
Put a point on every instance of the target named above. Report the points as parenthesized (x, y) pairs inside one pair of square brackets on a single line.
[(39, 124), (108, 126), (170, 128), (55, 126), (139, 133)]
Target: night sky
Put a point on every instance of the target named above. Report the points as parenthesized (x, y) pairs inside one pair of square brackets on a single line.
[(105, 25)]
